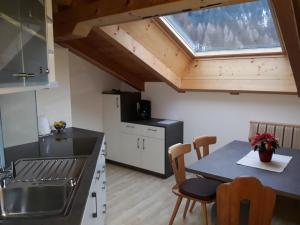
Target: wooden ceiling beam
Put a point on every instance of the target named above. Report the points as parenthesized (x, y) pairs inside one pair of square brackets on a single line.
[(63, 2), (83, 50), (287, 12), (125, 41), (78, 21)]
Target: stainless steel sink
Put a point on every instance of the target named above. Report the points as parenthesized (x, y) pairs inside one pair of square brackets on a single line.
[(42, 188), (33, 200)]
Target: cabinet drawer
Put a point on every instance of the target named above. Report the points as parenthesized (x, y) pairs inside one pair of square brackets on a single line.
[(154, 132), (131, 128)]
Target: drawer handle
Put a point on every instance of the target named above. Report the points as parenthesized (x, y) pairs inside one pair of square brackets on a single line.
[(94, 195), (154, 130), (129, 126)]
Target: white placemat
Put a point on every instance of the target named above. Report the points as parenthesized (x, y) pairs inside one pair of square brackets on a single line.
[(278, 163)]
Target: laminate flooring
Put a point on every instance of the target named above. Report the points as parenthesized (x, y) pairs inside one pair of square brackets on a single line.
[(135, 198)]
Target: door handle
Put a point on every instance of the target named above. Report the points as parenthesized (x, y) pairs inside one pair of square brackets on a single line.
[(117, 102), (144, 144), (94, 195), (138, 143), (99, 175), (104, 209), (23, 75)]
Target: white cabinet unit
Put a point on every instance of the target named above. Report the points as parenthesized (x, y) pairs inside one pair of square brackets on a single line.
[(140, 144), (95, 208), (130, 150), (111, 124), (143, 146), (153, 155)]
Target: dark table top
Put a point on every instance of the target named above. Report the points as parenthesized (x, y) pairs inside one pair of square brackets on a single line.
[(221, 165), (72, 142)]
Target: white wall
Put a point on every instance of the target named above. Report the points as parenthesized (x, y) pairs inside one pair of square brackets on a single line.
[(18, 116), (221, 114), (87, 84), (55, 103)]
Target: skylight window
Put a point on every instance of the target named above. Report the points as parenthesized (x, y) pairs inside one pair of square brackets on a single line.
[(235, 29)]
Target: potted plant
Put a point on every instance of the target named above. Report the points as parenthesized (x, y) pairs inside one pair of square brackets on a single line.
[(266, 144)]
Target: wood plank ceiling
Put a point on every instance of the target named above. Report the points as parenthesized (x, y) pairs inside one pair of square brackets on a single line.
[(142, 51)]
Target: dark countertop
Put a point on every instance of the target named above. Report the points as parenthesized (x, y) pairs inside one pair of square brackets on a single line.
[(154, 122), (72, 142)]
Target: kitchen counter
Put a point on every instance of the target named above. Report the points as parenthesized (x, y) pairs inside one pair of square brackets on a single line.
[(72, 142), (156, 122)]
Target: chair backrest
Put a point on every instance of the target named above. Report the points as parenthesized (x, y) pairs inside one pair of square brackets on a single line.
[(288, 135), (176, 155), (204, 142), (229, 196)]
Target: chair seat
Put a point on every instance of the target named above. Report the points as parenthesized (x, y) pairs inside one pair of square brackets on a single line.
[(200, 188)]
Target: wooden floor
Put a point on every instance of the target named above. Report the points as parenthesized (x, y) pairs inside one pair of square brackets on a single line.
[(135, 198)]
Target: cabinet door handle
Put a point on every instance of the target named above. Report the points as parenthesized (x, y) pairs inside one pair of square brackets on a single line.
[(94, 195), (103, 169), (103, 153), (117, 102), (99, 175), (104, 209), (144, 144), (138, 143), (23, 75)]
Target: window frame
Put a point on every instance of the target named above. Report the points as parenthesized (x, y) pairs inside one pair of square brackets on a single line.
[(223, 53)]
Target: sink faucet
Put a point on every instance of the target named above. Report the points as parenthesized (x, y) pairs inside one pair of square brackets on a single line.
[(7, 174)]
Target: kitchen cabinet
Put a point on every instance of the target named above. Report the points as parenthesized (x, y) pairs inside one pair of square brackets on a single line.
[(143, 149), (26, 54), (111, 123), (141, 145), (153, 155), (95, 208), (130, 150)]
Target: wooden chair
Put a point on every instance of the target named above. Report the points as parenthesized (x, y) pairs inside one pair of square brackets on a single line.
[(202, 142), (230, 195), (194, 189)]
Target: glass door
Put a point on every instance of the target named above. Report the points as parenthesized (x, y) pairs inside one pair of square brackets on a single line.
[(11, 58), (34, 42)]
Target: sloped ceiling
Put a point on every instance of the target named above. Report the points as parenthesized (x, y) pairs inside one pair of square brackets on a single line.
[(143, 51)]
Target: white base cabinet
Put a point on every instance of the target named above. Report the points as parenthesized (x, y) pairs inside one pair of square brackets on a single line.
[(140, 144), (95, 208), (143, 147)]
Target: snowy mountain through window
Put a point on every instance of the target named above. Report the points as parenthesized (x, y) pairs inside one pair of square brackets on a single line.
[(236, 27)]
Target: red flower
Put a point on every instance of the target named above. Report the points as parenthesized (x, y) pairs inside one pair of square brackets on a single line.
[(265, 141)]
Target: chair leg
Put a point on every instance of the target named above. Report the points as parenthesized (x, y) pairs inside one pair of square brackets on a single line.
[(187, 205), (193, 206), (204, 208), (179, 199)]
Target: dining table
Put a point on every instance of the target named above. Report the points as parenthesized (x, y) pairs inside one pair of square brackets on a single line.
[(222, 165)]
